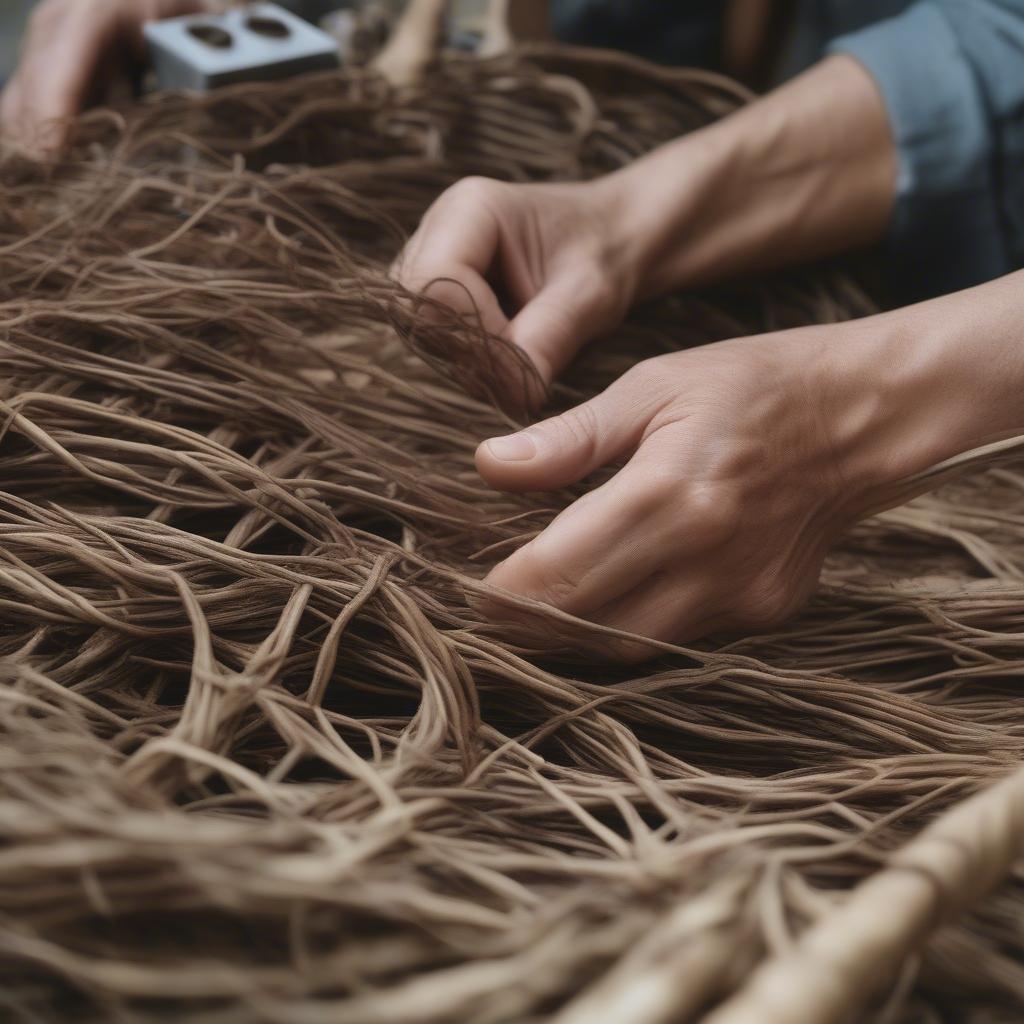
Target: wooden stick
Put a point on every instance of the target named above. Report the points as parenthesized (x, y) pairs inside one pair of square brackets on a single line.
[(673, 972), (851, 953), (413, 43)]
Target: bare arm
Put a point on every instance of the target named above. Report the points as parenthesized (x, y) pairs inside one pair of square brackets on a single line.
[(746, 459), (807, 171)]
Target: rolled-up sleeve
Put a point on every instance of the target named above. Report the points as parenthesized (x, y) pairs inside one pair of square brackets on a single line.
[(951, 73)]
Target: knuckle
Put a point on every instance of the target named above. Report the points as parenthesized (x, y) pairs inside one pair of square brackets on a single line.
[(648, 384), (660, 489), (580, 428), (538, 571), (710, 516), (642, 374), (591, 283), (425, 279), (628, 652), (474, 190), (553, 583), (448, 291), (765, 605)]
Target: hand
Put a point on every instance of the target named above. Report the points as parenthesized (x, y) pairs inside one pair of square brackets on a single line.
[(73, 52), (745, 466), (806, 171), (748, 459), (542, 265)]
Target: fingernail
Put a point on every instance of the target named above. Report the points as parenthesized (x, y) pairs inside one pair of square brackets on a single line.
[(512, 447)]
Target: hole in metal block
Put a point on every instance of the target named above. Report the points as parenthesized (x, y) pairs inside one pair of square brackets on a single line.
[(211, 35), (269, 27)]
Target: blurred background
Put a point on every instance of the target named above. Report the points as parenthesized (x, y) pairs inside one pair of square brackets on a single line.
[(710, 33), (14, 13), (12, 20)]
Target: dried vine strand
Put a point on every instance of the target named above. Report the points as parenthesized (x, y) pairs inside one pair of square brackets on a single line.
[(261, 759), (839, 962)]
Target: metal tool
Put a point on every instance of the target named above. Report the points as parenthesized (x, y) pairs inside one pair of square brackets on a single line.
[(256, 43)]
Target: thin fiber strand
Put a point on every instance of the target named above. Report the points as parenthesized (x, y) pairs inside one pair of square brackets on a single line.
[(260, 758)]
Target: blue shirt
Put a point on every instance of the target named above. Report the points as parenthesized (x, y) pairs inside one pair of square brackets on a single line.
[(951, 73)]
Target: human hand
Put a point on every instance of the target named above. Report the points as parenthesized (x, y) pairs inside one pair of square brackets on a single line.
[(545, 266), (805, 172), (73, 52), (746, 462)]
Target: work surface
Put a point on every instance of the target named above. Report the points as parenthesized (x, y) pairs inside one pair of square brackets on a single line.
[(259, 758)]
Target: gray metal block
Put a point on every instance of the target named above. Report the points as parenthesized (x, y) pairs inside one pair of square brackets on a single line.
[(254, 43)]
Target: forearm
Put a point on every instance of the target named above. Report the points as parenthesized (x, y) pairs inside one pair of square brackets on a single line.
[(805, 172), (917, 386)]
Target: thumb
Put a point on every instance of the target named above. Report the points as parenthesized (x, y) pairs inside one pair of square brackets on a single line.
[(562, 318), (566, 448)]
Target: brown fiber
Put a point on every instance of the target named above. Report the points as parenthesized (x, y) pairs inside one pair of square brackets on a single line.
[(259, 758)]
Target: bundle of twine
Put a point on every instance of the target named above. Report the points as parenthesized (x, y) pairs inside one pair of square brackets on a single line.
[(261, 758)]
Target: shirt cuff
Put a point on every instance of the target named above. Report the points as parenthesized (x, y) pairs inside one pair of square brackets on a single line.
[(945, 234)]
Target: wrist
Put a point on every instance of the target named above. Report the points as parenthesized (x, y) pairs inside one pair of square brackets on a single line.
[(803, 173), (875, 397), (907, 390), (666, 214)]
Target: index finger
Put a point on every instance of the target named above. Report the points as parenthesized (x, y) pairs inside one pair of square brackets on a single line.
[(604, 545), (446, 260)]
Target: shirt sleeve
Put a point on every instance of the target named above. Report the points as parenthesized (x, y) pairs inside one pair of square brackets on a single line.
[(951, 73)]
